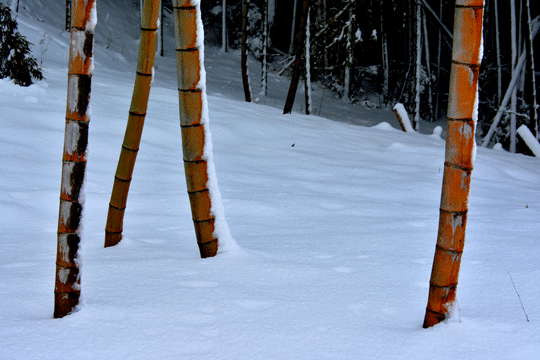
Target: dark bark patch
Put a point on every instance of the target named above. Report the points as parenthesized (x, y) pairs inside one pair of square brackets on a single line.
[(74, 218), (88, 46), (82, 140), (84, 87), (76, 179)]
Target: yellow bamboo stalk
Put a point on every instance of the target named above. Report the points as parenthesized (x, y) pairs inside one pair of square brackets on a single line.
[(190, 93), (67, 289), (460, 142), (135, 124)]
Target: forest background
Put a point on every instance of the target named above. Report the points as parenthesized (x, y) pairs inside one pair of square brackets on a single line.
[(386, 37), (379, 53)]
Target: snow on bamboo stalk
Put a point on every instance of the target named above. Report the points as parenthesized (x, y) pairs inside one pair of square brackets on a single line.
[(459, 157), (67, 289), (307, 80), (264, 60), (206, 208), (137, 115), (529, 139)]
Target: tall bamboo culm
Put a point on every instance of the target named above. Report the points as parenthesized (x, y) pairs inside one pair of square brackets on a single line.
[(191, 94), (137, 115), (67, 289), (244, 50), (458, 165), (298, 58)]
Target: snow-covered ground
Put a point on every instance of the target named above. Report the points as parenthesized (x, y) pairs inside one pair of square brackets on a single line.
[(336, 225)]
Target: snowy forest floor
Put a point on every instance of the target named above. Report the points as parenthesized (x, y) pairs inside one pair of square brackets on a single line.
[(335, 234)]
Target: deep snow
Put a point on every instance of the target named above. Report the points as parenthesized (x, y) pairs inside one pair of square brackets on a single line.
[(336, 224)]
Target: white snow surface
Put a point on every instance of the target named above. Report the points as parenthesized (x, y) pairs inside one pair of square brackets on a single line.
[(335, 234)]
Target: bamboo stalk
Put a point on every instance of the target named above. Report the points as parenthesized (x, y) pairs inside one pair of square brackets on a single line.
[(418, 67), (385, 61), (67, 289), (293, 26), (530, 140), (298, 59), (439, 49), (191, 95), (264, 62), (400, 120), (404, 120), (428, 66), (349, 48), (135, 124), (513, 100), (307, 68), (460, 142), (243, 50), (224, 37), (534, 109)]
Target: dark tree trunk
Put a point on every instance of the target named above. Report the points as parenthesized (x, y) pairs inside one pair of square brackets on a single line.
[(298, 61), (245, 75)]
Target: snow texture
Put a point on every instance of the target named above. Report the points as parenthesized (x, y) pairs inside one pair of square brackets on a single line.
[(221, 228), (92, 22), (78, 38), (73, 93)]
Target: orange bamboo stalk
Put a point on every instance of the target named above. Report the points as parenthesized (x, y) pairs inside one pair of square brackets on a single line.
[(400, 121), (135, 124), (460, 142), (192, 98), (67, 289)]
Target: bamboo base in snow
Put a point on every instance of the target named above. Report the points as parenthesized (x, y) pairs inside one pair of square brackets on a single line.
[(135, 124), (192, 123), (458, 163)]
